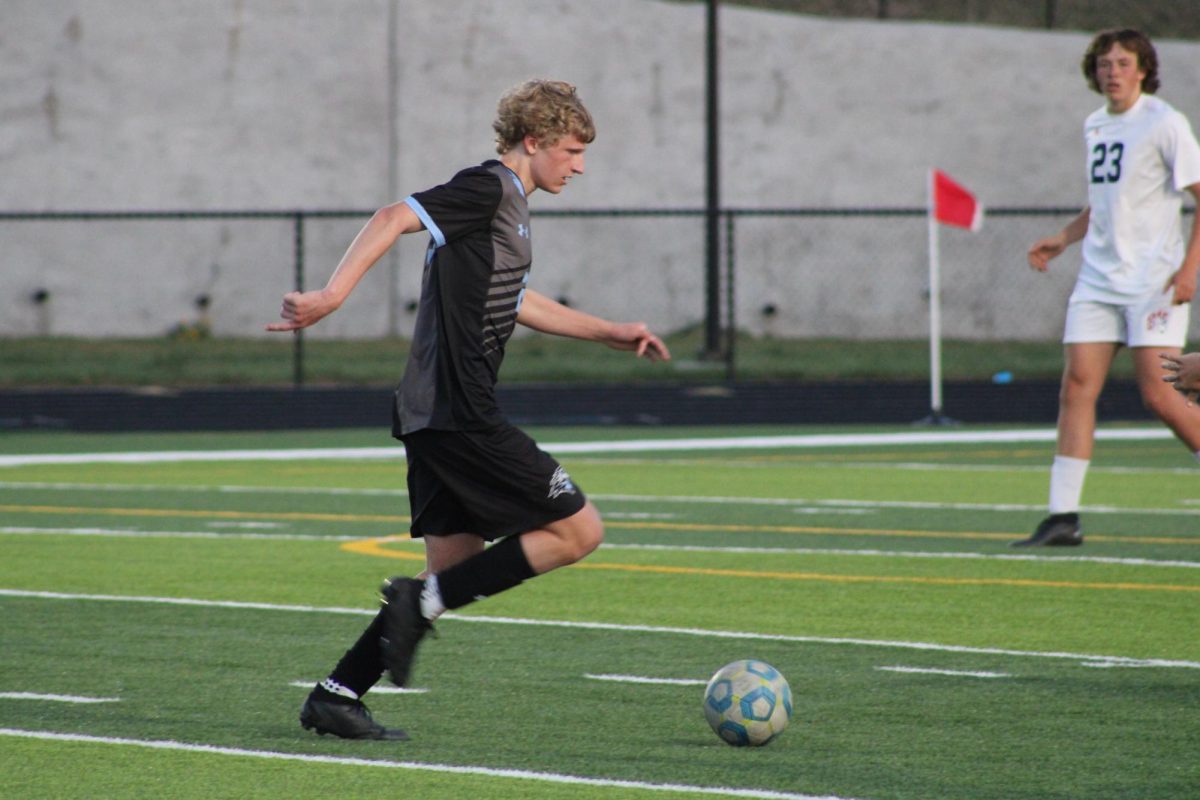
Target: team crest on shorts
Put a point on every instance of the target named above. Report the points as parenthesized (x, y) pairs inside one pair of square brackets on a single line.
[(1157, 320), (560, 484)]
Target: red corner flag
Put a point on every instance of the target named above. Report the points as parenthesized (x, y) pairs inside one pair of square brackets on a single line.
[(954, 205)]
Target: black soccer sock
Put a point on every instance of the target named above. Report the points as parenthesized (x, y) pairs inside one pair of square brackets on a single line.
[(501, 566), (362, 665)]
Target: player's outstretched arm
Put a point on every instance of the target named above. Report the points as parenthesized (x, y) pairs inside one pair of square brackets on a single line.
[(302, 309), (1045, 249), (548, 316)]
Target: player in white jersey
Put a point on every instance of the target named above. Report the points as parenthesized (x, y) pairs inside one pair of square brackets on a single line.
[(1137, 278)]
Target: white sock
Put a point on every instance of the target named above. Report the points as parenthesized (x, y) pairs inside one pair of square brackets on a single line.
[(431, 599), (1066, 483), (332, 686), (1198, 455)]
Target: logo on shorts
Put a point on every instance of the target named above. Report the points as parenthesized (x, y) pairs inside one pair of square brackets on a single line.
[(560, 483), (1157, 321)]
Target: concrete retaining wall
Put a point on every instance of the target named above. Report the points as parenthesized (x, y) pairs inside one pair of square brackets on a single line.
[(286, 104)]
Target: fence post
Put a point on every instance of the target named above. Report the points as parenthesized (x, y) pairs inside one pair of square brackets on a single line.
[(712, 272), (298, 261), (730, 307)]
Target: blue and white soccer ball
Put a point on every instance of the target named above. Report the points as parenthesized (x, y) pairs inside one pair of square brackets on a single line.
[(748, 703)]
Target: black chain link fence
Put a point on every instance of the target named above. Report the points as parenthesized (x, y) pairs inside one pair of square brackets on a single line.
[(852, 273), (1173, 19)]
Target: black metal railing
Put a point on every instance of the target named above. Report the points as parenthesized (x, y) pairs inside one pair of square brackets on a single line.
[(719, 309)]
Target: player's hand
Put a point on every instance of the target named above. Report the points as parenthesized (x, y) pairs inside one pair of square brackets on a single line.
[(1183, 282), (653, 348), (1183, 373), (1045, 249), (301, 309), (635, 336)]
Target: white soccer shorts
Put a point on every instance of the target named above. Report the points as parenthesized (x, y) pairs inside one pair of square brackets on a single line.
[(1152, 322)]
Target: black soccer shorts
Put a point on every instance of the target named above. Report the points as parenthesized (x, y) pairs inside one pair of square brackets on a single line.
[(492, 483)]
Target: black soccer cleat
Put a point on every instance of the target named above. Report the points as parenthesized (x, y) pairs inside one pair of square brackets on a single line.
[(348, 720), (403, 626), (1056, 530)]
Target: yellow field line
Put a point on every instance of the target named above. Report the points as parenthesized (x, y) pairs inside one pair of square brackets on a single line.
[(376, 547), (615, 524)]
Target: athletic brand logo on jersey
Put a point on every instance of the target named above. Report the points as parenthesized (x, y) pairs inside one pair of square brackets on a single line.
[(560, 484), (1157, 321), (522, 231)]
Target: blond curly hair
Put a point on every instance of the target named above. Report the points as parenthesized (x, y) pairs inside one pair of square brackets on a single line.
[(547, 110)]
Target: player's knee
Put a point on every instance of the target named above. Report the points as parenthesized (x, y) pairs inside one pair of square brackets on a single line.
[(592, 538), (587, 533), (1076, 390)]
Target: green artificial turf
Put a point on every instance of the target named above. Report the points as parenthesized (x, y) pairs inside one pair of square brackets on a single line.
[(924, 661)]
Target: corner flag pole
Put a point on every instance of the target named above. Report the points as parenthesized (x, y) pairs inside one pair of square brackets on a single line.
[(935, 311), (954, 205)]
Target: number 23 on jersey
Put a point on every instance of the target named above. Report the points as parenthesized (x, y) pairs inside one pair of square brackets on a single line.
[(1106, 162)]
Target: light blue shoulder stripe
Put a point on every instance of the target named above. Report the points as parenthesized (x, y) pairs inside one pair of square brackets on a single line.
[(423, 215), (517, 181)]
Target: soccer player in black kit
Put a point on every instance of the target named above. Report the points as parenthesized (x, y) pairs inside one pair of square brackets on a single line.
[(473, 479)]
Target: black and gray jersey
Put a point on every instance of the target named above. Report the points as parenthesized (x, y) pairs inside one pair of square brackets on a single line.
[(476, 269)]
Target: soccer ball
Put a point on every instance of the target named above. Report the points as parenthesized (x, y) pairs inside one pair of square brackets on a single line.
[(748, 703)]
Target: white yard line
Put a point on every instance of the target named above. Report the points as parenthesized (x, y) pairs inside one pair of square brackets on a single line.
[(641, 679), (177, 456), (798, 504), (1091, 659), (1129, 562), (159, 488), (377, 689), (57, 698), (417, 766), (950, 672), (925, 646), (627, 446), (117, 533), (924, 505), (644, 679)]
